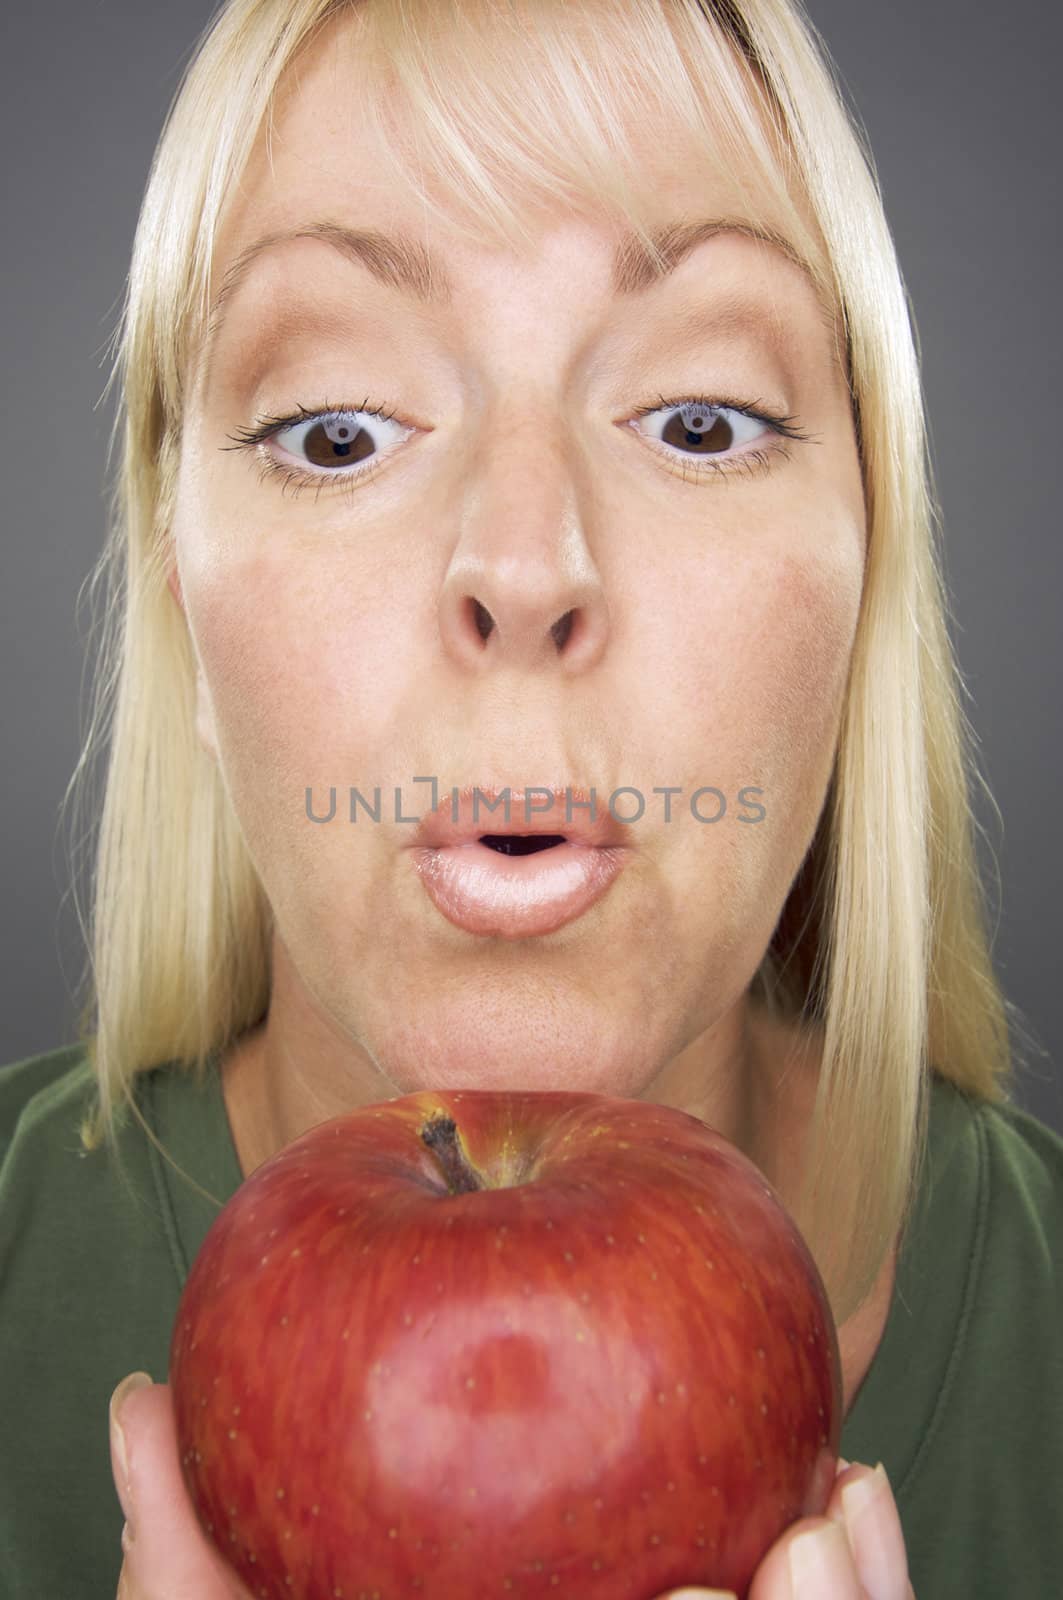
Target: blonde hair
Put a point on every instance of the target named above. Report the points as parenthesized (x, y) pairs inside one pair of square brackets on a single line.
[(883, 939)]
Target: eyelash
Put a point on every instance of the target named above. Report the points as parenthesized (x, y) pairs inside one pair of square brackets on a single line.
[(752, 462)]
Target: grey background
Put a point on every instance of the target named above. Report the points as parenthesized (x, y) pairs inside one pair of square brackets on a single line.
[(962, 109)]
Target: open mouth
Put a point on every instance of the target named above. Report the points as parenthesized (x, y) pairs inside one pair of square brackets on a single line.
[(521, 844)]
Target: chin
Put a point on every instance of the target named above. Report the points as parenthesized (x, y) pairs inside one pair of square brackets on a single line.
[(484, 1041)]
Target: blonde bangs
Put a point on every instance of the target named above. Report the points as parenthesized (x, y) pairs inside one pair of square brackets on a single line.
[(479, 157), (485, 162)]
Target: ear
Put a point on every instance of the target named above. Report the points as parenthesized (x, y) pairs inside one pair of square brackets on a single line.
[(205, 727), (173, 581)]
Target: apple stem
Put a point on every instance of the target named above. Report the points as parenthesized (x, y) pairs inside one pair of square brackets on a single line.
[(441, 1137)]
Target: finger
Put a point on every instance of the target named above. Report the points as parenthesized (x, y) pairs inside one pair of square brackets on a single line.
[(775, 1585), (810, 1561), (862, 1501), (699, 1594), (166, 1551), (119, 1464)]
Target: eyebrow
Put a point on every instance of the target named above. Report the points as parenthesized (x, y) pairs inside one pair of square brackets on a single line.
[(403, 264)]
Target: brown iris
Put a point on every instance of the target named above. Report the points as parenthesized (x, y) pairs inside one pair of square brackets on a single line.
[(337, 443), (715, 438)]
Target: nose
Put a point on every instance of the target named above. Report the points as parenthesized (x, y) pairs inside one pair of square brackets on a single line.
[(560, 631), (522, 589)]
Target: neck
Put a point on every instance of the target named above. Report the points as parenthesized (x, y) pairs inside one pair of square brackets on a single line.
[(759, 1094)]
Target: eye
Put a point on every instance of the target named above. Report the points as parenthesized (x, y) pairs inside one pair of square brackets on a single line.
[(703, 435), (339, 438), (705, 429), (325, 443), (316, 447), (333, 440)]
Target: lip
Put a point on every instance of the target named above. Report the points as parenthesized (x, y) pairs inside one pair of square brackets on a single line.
[(516, 897), (568, 813), (487, 892)]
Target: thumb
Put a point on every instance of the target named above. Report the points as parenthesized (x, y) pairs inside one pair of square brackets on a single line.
[(166, 1550), (119, 1445)]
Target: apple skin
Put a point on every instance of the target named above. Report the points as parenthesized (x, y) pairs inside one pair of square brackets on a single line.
[(609, 1371)]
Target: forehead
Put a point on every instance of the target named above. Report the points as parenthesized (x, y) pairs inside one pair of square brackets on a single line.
[(322, 157)]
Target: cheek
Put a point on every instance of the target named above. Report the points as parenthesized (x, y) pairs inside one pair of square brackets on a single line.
[(779, 677), (799, 656), (296, 638), (303, 678), (758, 654)]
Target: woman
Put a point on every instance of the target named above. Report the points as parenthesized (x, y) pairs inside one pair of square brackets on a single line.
[(592, 315)]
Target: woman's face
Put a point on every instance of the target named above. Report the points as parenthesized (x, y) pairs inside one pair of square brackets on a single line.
[(712, 618)]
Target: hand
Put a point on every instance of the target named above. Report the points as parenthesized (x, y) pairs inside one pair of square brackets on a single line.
[(864, 1558), (167, 1554)]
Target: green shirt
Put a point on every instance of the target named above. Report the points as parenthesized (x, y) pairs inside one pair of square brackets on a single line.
[(963, 1403)]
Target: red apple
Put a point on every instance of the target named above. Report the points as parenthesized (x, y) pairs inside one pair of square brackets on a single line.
[(467, 1344)]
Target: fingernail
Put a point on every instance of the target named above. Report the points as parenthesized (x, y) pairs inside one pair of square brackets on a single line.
[(875, 1534), (862, 1492), (820, 1563), (136, 1380)]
